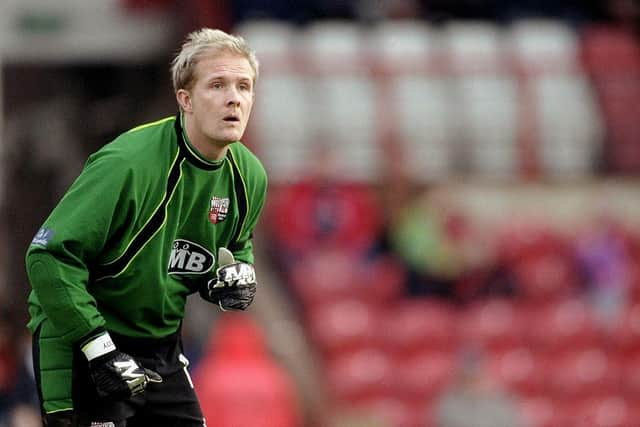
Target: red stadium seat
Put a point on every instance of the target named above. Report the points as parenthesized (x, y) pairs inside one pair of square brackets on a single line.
[(605, 410), (494, 325), (546, 277), (626, 332), (584, 374), (564, 326), (521, 371), (610, 51), (425, 375), (538, 411), (630, 383), (519, 239), (343, 326), (396, 412), (540, 258), (326, 276), (411, 327), (360, 376), (612, 57)]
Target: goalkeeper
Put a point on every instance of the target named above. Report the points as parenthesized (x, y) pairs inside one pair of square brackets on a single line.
[(165, 210)]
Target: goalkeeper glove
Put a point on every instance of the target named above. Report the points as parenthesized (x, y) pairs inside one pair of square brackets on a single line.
[(115, 374), (234, 286)]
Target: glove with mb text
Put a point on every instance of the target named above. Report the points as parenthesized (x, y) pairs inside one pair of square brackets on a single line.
[(234, 286), (115, 374)]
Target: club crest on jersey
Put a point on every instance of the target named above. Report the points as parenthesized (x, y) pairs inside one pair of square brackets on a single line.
[(189, 258), (218, 209)]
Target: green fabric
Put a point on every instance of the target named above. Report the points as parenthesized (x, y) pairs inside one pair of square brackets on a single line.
[(56, 358), (120, 189)]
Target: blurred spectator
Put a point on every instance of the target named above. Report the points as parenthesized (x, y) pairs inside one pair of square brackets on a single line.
[(474, 399), (322, 211), (239, 384), (605, 263), (426, 237)]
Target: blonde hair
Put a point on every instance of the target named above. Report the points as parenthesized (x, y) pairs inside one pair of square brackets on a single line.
[(201, 41)]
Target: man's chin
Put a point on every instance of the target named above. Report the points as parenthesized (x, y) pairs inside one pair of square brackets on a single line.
[(230, 137), (226, 140)]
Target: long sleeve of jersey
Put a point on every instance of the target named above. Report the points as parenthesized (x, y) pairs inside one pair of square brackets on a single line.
[(59, 257)]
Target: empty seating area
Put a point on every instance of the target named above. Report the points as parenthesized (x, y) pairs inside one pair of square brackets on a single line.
[(536, 98)]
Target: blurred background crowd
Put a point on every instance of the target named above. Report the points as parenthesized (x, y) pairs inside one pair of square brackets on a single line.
[(452, 232)]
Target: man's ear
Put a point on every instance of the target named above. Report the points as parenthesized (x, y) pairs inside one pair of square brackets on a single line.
[(184, 100)]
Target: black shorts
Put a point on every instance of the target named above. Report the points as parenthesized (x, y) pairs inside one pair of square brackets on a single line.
[(172, 403)]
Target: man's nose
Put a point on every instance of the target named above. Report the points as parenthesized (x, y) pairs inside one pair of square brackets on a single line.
[(233, 97)]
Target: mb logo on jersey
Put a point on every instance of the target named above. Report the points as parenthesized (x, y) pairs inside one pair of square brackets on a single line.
[(218, 209), (189, 258)]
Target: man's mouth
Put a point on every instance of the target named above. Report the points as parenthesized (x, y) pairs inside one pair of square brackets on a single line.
[(231, 118)]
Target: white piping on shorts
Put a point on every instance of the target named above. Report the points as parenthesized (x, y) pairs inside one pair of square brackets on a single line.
[(182, 358)]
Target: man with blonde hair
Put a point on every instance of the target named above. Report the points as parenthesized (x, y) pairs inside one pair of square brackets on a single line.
[(165, 210)]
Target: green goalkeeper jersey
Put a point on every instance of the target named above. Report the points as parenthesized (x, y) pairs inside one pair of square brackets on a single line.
[(138, 231)]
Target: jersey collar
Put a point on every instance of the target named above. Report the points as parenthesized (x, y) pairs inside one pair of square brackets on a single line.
[(189, 151)]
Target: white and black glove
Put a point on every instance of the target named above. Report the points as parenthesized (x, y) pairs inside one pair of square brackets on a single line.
[(115, 374), (234, 286)]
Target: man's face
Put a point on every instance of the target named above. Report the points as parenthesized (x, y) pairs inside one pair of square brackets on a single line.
[(221, 97)]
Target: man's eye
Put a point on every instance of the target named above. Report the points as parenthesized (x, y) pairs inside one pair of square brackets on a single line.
[(217, 85)]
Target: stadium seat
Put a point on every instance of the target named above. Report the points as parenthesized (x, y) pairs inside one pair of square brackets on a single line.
[(543, 47), (330, 47), (540, 259), (630, 384), (616, 93), (520, 238), (569, 126), (425, 129), (626, 332), (564, 326), (493, 325), (612, 58), (484, 97), (473, 47), (521, 371), (568, 130), (343, 327), (538, 411), (343, 115), (285, 155), (488, 124), (396, 412), (360, 376), (405, 48), (274, 43), (546, 278), (584, 374), (328, 276), (323, 277), (605, 410), (424, 376), (610, 51), (418, 326)]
